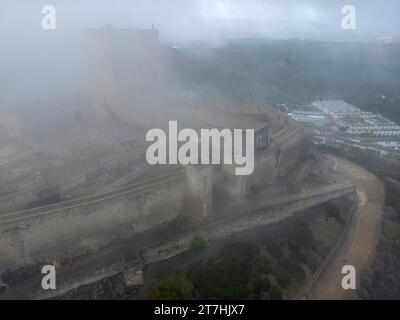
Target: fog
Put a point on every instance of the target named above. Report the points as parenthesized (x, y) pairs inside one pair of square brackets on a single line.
[(199, 148), (36, 63)]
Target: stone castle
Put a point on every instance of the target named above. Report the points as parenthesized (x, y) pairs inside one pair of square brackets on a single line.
[(106, 193)]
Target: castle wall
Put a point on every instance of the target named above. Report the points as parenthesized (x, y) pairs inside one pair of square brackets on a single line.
[(280, 159), (274, 162), (18, 200), (132, 271), (294, 151), (76, 229), (249, 220), (200, 181), (233, 186), (28, 194)]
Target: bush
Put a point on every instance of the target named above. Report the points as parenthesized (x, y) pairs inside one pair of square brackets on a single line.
[(263, 265), (334, 212), (261, 286), (272, 248), (275, 293), (303, 235), (391, 229), (283, 278), (297, 271), (220, 280), (227, 277), (175, 287), (296, 253), (291, 268), (198, 242)]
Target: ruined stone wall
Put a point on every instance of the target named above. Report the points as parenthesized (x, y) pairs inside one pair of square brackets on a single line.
[(29, 194), (294, 150), (278, 160), (200, 180), (76, 227), (248, 221), (270, 164), (17, 200), (24, 192), (42, 235), (233, 186)]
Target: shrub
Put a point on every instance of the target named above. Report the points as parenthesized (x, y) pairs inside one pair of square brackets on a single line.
[(263, 265), (283, 278), (303, 235), (272, 247), (226, 277), (260, 286), (334, 212), (198, 242), (275, 293), (391, 229), (296, 253), (174, 287), (293, 270), (296, 271)]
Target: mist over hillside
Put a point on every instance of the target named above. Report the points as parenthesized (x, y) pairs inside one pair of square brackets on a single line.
[(266, 73)]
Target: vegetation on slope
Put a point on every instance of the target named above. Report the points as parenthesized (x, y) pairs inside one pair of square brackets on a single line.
[(275, 268)]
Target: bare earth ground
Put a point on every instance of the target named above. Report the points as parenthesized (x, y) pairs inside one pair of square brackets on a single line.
[(358, 246)]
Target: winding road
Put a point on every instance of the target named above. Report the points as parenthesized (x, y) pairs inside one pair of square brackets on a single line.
[(357, 247)]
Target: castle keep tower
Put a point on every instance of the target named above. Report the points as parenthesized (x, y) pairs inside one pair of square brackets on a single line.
[(125, 74)]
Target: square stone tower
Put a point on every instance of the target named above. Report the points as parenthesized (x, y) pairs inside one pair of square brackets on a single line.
[(125, 74)]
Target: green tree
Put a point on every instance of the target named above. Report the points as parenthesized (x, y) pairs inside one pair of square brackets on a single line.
[(175, 287)]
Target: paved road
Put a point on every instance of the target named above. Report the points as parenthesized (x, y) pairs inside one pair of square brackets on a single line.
[(358, 246)]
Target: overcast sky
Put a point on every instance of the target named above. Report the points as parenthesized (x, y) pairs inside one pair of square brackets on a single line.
[(27, 48), (203, 19)]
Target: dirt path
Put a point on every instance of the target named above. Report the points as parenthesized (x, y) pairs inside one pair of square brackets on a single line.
[(358, 246)]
